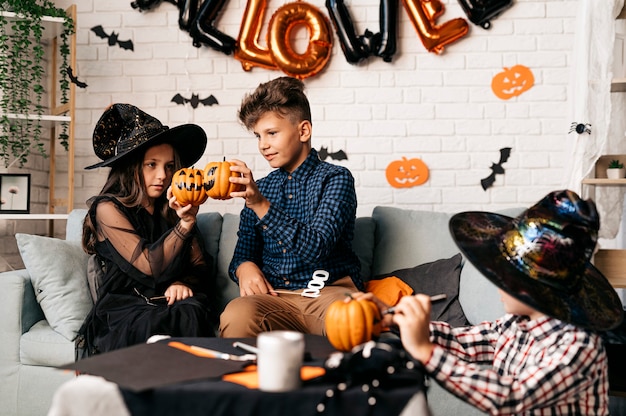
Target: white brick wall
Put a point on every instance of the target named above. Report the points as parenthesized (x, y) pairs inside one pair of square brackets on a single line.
[(439, 108)]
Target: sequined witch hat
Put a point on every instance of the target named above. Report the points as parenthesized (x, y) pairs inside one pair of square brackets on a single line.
[(542, 258), (124, 129)]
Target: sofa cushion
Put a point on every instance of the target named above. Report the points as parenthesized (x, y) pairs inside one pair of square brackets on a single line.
[(227, 289), (58, 272), (74, 226), (405, 238), (433, 278), (43, 346), (210, 227), (479, 297), (363, 244)]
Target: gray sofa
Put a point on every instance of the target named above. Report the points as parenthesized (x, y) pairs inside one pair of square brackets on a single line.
[(31, 347)]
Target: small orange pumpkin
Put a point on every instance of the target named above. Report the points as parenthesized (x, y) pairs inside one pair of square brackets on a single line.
[(216, 180), (406, 173), (352, 323), (512, 82), (188, 186)]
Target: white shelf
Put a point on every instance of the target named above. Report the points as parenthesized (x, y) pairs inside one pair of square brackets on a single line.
[(52, 26), (33, 216), (604, 181), (48, 118), (618, 85)]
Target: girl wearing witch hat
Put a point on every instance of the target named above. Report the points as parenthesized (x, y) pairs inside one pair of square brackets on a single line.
[(545, 356), (151, 276)]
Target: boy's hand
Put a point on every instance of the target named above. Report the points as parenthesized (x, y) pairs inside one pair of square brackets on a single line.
[(252, 281), (412, 315), (254, 199)]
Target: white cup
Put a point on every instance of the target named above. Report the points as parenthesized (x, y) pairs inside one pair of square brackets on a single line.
[(279, 360)]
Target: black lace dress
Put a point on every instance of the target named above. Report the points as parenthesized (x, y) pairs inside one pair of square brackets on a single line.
[(141, 256)]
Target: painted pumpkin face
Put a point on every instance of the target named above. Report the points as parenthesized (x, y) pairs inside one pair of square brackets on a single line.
[(406, 173), (188, 187), (349, 324), (512, 82), (216, 180)]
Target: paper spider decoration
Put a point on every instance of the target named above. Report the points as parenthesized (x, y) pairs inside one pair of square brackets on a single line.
[(580, 128)]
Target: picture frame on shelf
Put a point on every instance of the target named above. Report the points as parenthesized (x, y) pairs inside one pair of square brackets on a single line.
[(14, 193)]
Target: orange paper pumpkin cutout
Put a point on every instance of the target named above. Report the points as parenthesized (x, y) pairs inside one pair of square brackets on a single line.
[(512, 82), (424, 14), (406, 173), (188, 187)]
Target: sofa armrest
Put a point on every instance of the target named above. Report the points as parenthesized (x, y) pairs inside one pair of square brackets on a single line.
[(19, 307)]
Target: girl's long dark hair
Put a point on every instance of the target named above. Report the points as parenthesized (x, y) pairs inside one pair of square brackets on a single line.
[(125, 183)]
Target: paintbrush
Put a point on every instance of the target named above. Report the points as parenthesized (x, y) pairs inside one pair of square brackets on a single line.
[(434, 298), (208, 353)]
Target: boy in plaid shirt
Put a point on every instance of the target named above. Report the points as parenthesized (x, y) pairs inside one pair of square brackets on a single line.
[(297, 225), (544, 357)]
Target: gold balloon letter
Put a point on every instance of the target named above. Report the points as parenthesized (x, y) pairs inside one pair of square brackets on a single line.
[(283, 21), (424, 14), (248, 50)]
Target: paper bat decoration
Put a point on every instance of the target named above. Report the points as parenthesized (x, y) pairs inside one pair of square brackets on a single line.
[(112, 38), (74, 79), (496, 168), (194, 100), (339, 155)]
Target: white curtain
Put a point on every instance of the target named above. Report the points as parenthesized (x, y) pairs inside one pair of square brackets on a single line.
[(593, 103)]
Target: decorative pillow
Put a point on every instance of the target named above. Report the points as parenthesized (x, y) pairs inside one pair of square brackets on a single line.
[(440, 276), (58, 272)]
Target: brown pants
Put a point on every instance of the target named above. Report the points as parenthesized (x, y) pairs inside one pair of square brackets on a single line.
[(247, 316)]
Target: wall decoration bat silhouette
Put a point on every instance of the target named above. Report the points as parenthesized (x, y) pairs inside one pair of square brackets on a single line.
[(339, 155), (496, 168), (74, 79), (112, 38), (194, 100)]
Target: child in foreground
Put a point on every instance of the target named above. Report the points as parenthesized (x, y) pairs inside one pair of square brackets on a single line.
[(544, 357)]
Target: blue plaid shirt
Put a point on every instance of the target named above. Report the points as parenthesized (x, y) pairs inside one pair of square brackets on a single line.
[(309, 226)]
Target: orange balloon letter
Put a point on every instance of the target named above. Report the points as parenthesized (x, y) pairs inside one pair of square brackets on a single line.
[(424, 14), (283, 21), (248, 50)]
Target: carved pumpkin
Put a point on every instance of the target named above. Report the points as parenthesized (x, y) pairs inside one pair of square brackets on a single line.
[(406, 173), (512, 82), (216, 180), (188, 186), (352, 323)]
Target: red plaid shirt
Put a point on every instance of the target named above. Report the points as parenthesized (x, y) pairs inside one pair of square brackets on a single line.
[(516, 366)]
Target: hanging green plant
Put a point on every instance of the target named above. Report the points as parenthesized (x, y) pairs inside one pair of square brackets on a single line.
[(21, 77)]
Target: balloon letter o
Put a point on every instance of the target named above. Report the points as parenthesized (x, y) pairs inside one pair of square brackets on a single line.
[(283, 21)]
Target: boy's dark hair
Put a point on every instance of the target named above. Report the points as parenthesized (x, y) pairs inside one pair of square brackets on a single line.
[(283, 95)]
